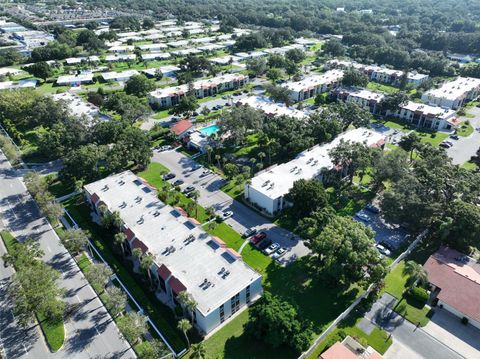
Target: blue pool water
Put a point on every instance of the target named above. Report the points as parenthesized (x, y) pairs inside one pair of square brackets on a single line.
[(210, 130)]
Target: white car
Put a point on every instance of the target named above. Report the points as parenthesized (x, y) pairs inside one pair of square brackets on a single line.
[(272, 248), (279, 253), (227, 214), (364, 217), (206, 173), (383, 250)]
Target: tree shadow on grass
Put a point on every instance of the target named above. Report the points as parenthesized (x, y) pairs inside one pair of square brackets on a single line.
[(300, 284), (245, 346)]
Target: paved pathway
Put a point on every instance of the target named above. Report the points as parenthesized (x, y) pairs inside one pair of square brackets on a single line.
[(466, 147)]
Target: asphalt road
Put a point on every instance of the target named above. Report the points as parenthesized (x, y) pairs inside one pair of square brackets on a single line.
[(416, 339), (466, 147), (90, 331), (211, 195)]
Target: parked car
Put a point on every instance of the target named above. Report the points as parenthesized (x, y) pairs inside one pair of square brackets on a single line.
[(190, 194), (169, 176), (195, 113), (195, 167), (264, 244), (383, 250), (249, 232), (363, 216), (371, 208), (454, 137), (386, 245), (224, 97), (206, 173), (272, 248), (257, 238), (178, 182), (279, 253), (227, 214), (445, 145), (188, 189)]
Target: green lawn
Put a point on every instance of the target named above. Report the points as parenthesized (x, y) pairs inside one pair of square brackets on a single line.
[(396, 284), (233, 189), (53, 330), (227, 234), (465, 130), (161, 315), (434, 138), (381, 87), (161, 114), (469, 166)]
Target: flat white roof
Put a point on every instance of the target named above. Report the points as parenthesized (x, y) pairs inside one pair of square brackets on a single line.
[(67, 79), (277, 181), (77, 60), (4, 71), (160, 226), (185, 52), (164, 69), (179, 43), (11, 85), (126, 48), (271, 108), (215, 81), (223, 60), (152, 47), (313, 81), (452, 90), (77, 105), (436, 111), (117, 57), (119, 75), (156, 55), (211, 47)]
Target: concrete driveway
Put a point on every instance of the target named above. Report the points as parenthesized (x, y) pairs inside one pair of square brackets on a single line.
[(410, 337), (448, 329), (466, 147), (211, 195)]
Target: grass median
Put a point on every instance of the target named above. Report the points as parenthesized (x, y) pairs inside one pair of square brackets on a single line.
[(53, 330)]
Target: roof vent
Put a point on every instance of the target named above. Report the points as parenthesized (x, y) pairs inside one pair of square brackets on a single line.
[(141, 220), (225, 274), (156, 213), (123, 205), (222, 270), (105, 188), (138, 199)]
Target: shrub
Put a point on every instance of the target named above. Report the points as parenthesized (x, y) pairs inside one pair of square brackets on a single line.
[(419, 294)]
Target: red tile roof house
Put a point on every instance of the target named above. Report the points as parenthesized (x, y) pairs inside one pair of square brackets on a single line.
[(455, 281), (181, 128), (349, 348)]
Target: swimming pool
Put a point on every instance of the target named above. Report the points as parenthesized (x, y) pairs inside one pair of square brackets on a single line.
[(209, 130)]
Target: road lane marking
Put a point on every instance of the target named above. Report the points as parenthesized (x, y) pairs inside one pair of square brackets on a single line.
[(76, 296)]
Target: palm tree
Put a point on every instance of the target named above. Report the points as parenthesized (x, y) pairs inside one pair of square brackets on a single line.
[(187, 302), (194, 196), (198, 351), (116, 219), (218, 157), (417, 274), (184, 325), (210, 211), (261, 156), (209, 150), (119, 240), (145, 264)]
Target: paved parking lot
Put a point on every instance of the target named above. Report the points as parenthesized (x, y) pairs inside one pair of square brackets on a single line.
[(394, 236), (211, 195)]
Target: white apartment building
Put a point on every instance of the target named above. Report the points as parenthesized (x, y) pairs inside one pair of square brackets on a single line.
[(379, 73), (74, 80), (120, 57), (363, 98), (156, 56), (426, 116), (152, 47), (186, 258), (171, 96), (313, 85), (453, 94), (13, 85), (119, 76), (167, 70), (121, 48), (78, 106), (269, 187), (271, 108)]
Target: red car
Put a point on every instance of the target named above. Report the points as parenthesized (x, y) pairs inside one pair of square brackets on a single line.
[(258, 238)]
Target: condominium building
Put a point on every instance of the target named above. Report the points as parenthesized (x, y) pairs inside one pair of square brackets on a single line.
[(364, 98), (119, 76), (75, 80), (171, 96), (269, 187), (186, 258), (380, 73), (426, 116), (313, 85), (271, 108), (453, 94)]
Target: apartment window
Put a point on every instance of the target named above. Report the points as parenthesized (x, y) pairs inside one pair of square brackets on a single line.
[(222, 313), (247, 291), (235, 303)]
